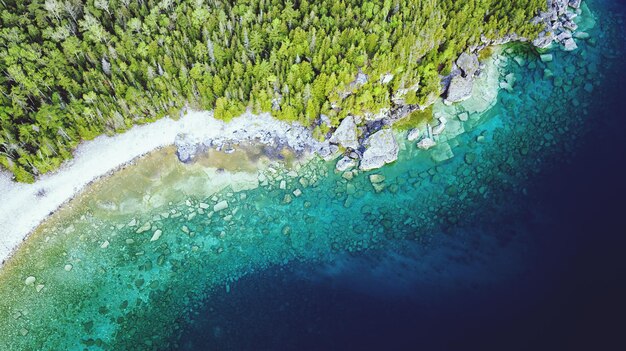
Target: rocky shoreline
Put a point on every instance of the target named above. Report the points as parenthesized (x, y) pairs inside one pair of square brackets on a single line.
[(371, 144)]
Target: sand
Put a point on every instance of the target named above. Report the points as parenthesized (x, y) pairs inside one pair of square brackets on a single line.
[(24, 206)]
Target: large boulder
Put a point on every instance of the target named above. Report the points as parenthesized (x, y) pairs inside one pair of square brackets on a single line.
[(346, 134), (468, 64), (345, 164), (413, 134), (460, 89), (186, 147), (380, 148)]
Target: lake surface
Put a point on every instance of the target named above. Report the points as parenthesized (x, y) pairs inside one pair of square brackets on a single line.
[(514, 241)]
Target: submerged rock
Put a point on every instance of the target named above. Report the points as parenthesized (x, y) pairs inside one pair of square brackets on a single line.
[(377, 178), (546, 57), (442, 152), (222, 205), (426, 143), (346, 134), (380, 148), (156, 235)]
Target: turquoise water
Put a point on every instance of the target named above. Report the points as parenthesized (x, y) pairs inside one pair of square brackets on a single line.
[(118, 275)]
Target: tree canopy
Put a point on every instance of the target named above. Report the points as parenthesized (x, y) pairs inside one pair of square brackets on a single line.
[(73, 69)]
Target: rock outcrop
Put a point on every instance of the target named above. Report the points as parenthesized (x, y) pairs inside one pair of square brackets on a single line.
[(346, 134), (559, 24), (380, 148), (468, 64), (460, 89)]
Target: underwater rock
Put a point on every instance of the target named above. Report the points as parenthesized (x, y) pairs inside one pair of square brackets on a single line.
[(222, 205), (146, 226), (156, 235), (346, 134), (470, 157), (438, 129), (581, 35), (380, 148), (377, 178), (546, 57), (442, 152), (463, 117), (426, 143), (454, 128)]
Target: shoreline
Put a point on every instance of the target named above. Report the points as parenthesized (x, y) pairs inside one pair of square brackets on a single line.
[(26, 206)]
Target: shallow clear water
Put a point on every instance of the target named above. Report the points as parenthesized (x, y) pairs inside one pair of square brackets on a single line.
[(152, 258)]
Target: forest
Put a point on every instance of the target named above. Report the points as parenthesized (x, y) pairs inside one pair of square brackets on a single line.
[(71, 70)]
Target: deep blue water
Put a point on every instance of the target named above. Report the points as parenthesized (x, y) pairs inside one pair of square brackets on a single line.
[(545, 273)]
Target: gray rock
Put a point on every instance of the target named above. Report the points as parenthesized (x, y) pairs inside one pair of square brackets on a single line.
[(426, 143), (361, 78), (328, 152), (438, 129), (570, 25), (186, 148), (460, 89), (386, 78), (222, 205), (569, 44), (345, 164), (468, 64), (574, 3), (346, 134), (380, 148), (413, 134), (544, 39), (563, 36)]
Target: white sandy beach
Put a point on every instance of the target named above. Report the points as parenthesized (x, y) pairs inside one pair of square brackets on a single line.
[(22, 209)]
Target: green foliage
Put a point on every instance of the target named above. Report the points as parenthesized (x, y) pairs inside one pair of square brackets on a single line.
[(415, 119), (73, 69)]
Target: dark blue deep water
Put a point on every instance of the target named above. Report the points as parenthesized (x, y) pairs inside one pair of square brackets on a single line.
[(546, 273)]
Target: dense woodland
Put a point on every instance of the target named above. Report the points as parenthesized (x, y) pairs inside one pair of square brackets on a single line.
[(73, 69)]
